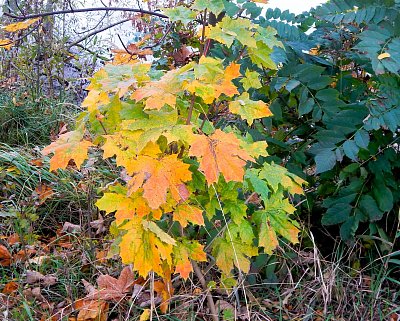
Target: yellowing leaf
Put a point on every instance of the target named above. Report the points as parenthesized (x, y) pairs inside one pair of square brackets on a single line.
[(144, 249), (157, 176), (94, 99), (249, 109), (220, 153), (188, 213), (69, 146), (20, 25), (215, 6), (228, 30), (211, 80), (6, 43), (161, 92), (384, 55), (251, 80), (126, 207), (229, 254), (183, 253)]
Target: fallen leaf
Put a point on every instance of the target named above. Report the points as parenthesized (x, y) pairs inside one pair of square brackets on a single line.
[(10, 287), (71, 228), (114, 289), (145, 315), (42, 193), (33, 277), (13, 239), (5, 256), (93, 310), (98, 225)]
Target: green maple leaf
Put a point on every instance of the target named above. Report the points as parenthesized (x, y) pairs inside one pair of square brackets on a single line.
[(251, 80), (228, 30), (230, 254), (261, 56), (180, 13), (249, 109), (215, 6), (267, 36), (244, 231), (237, 209), (158, 123), (277, 175)]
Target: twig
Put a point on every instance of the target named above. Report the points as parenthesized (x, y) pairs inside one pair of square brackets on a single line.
[(94, 32), (53, 13)]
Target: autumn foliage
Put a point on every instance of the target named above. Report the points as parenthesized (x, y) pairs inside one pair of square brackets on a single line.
[(180, 172)]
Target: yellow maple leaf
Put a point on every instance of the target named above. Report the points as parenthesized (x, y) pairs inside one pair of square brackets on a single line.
[(20, 25), (94, 99), (220, 153), (144, 249), (69, 146)]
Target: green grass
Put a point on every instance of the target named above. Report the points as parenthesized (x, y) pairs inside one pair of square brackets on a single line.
[(28, 122)]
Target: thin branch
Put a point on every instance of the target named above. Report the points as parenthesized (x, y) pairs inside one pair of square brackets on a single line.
[(53, 13), (161, 39), (94, 32)]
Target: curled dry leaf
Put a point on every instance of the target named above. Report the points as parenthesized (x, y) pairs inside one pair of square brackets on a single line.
[(71, 228), (98, 225), (33, 277), (5, 256)]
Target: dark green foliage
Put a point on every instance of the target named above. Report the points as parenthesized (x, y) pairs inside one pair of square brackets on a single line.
[(337, 110)]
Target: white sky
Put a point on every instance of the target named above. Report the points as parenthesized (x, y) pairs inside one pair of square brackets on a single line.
[(295, 6)]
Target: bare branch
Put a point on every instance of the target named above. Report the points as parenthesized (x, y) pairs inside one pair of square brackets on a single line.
[(53, 13), (94, 32)]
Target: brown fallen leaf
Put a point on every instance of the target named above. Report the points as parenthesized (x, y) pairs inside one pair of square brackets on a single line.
[(93, 310), (10, 287), (111, 288), (98, 225), (5, 256), (71, 228), (165, 292), (13, 239), (42, 193), (24, 254), (33, 277)]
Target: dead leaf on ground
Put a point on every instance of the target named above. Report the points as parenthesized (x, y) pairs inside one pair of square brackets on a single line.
[(42, 193), (98, 225), (5, 256), (71, 228), (111, 288), (13, 239), (93, 310), (24, 254), (33, 277), (10, 287)]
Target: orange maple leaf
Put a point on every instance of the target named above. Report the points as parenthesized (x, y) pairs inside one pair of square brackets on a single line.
[(188, 213), (69, 146), (220, 153), (184, 252), (157, 176)]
